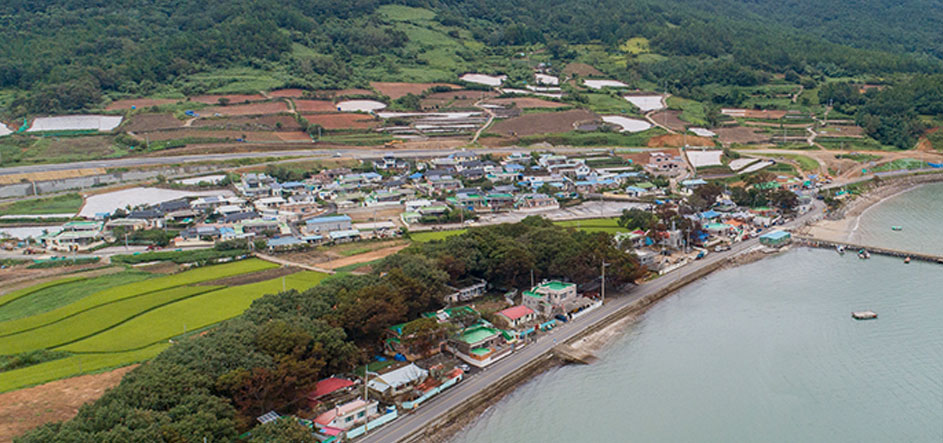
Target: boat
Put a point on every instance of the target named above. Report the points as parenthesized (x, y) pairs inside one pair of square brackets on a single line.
[(864, 255), (897, 228), (907, 260), (864, 315), (840, 249)]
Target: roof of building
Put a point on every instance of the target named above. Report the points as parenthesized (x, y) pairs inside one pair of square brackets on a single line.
[(344, 409), (775, 235), (516, 312), (329, 385), (284, 241), (477, 334), (397, 377), (328, 219), (555, 285)]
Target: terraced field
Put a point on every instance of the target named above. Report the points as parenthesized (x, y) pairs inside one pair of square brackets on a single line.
[(132, 322)]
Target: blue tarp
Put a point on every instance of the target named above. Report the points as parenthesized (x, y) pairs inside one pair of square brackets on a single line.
[(709, 214)]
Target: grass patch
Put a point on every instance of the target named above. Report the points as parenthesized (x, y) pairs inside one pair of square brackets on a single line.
[(608, 104), (860, 158), (75, 365), (608, 225), (427, 236), (44, 298), (577, 138), (807, 164), (901, 164), (10, 362), (15, 295), (192, 313), (853, 143), (179, 257), (356, 139), (691, 111), (60, 204)]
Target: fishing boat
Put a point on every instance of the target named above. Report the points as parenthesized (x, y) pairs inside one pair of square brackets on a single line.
[(907, 260), (864, 255), (897, 228), (840, 249), (864, 315)]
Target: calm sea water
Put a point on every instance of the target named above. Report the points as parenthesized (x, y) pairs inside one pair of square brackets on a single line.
[(918, 211), (762, 352)]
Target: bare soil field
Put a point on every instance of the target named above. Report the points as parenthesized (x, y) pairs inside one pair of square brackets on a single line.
[(152, 122), (259, 123), (363, 258), (436, 143), (342, 121), (543, 123), (139, 103), (233, 98), (670, 119), (315, 106), (287, 93), (90, 146), (321, 255), (766, 115), (59, 400), (526, 103), (581, 69), (740, 134), (455, 99), (842, 131), (342, 92), (679, 140), (395, 90), (641, 158), (293, 136), (10, 179), (247, 109)]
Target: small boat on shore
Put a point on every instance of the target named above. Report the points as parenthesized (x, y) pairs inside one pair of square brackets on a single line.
[(864, 315), (897, 228), (907, 260), (864, 255), (840, 249)]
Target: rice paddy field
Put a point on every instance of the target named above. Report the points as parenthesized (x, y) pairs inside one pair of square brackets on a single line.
[(134, 319)]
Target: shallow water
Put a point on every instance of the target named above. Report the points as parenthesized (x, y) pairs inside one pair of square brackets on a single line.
[(762, 352), (918, 211)]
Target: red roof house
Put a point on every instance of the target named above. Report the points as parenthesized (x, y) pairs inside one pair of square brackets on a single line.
[(517, 315)]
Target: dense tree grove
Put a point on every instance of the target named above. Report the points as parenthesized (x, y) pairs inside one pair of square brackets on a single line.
[(270, 357)]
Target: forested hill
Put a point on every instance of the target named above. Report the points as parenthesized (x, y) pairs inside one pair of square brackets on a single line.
[(61, 55), (911, 26)]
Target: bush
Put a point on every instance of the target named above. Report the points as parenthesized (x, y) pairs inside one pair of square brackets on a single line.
[(64, 262)]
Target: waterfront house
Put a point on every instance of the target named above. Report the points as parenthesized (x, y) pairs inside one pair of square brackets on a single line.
[(776, 238), (479, 345), (347, 415), (467, 290), (549, 297), (329, 389), (391, 384), (517, 316)]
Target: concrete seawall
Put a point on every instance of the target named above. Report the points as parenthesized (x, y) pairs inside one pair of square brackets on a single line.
[(852, 248), (481, 400)]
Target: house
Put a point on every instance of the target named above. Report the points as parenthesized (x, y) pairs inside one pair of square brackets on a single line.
[(549, 297), (466, 291), (259, 226), (347, 415), (663, 163), (327, 389), (344, 236), (651, 260), (535, 202), (516, 316), (776, 238), (389, 162), (319, 225), (479, 345), (393, 383)]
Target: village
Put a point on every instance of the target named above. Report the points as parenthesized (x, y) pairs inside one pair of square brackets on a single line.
[(399, 198)]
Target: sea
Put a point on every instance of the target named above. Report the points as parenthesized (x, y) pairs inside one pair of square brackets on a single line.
[(765, 352)]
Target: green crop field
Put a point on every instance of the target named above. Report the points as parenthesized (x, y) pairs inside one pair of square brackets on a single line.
[(608, 225), (75, 365), (60, 204), (95, 320), (9, 297), (135, 289), (189, 314), (62, 292)]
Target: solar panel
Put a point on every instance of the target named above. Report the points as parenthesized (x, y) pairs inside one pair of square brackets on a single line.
[(267, 417)]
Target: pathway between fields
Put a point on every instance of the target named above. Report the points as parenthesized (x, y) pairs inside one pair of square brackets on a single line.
[(487, 123), (363, 258), (284, 262)]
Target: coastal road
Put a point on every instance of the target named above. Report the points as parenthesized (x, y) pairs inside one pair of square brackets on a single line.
[(326, 152), (411, 423)]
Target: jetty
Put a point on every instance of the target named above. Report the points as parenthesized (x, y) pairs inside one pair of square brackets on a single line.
[(907, 255), (571, 354)]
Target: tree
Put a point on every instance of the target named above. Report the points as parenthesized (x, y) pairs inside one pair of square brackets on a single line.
[(283, 430), (637, 219), (423, 334)]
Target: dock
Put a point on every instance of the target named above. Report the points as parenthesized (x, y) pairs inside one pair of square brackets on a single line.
[(818, 243)]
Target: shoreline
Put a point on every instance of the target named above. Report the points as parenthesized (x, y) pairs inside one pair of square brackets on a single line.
[(842, 227), (593, 339)]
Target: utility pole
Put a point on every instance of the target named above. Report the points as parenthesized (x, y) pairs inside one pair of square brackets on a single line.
[(603, 292), (532, 278)]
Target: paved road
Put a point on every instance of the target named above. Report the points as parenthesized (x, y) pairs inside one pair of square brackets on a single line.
[(357, 153), (457, 396)]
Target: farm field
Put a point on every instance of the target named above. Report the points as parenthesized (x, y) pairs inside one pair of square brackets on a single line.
[(247, 109), (608, 225), (257, 123), (395, 90), (342, 121), (527, 103), (134, 322), (210, 134), (315, 106), (61, 204), (427, 236), (139, 103), (152, 122), (543, 123), (132, 290), (232, 98), (48, 296)]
